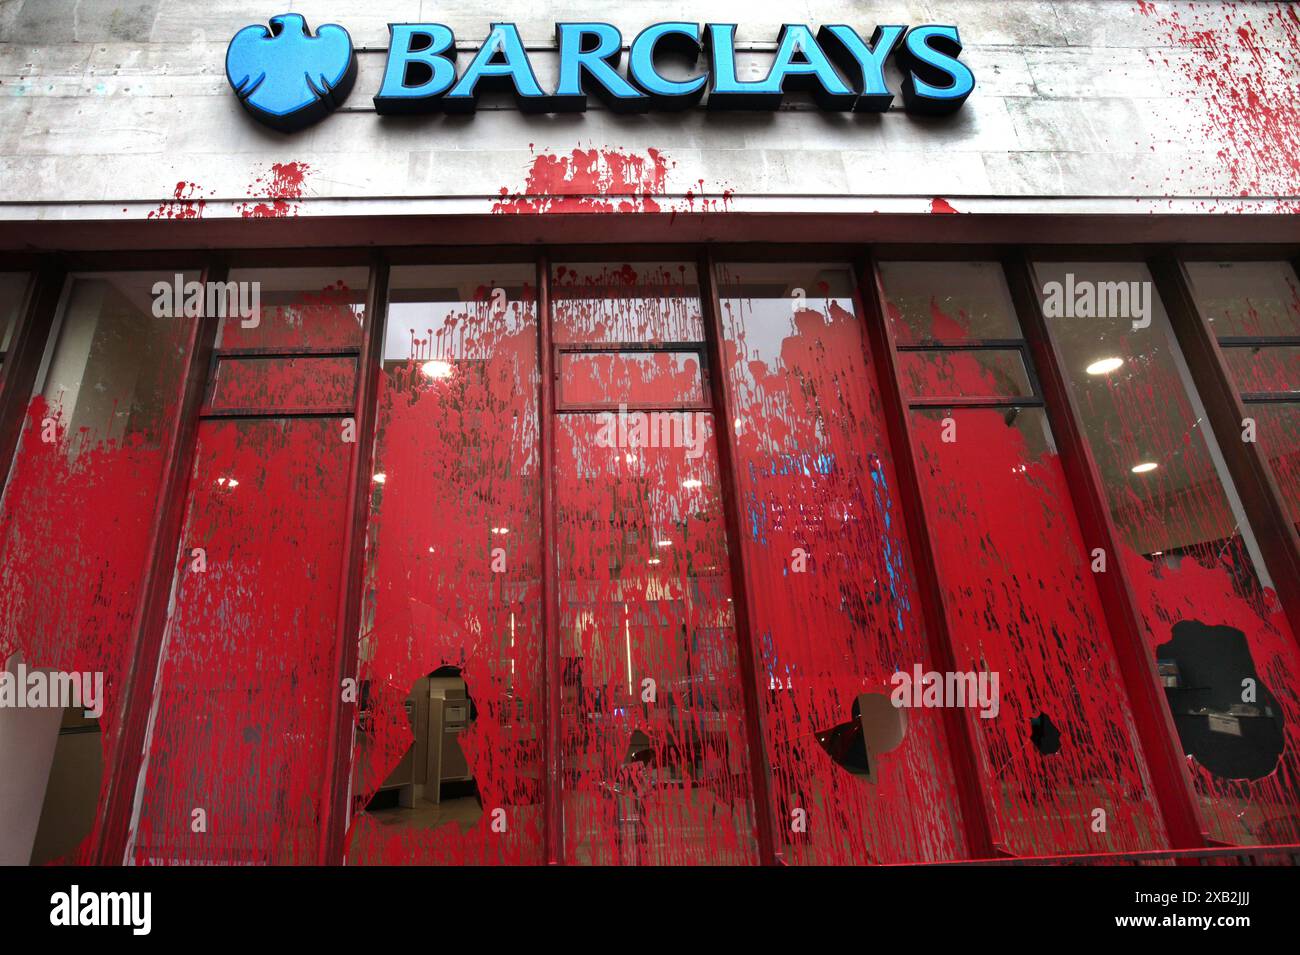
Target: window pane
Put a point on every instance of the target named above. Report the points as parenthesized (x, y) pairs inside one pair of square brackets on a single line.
[(284, 384), (1278, 432), (630, 378), (644, 302), (75, 529), (653, 748), (1260, 299), (1247, 298), (449, 739), (13, 296), (1264, 370), (980, 373), (240, 727), (835, 601), (317, 308), (948, 301), (1211, 616), (1023, 603)]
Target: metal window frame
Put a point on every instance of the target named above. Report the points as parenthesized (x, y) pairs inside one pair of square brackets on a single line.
[(1018, 345)]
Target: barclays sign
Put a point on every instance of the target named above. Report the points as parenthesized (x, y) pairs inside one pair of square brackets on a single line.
[(289, 78)]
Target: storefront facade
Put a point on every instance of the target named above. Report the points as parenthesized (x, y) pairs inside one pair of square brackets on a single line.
[(746, 479)]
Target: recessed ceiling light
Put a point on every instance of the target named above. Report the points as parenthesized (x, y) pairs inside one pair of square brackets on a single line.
[(1144, 467), (437, 368), (500, 530), (1104, 366), (664, 543), (654, 560)]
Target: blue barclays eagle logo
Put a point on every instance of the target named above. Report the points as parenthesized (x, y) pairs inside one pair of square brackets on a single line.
[(288, 78)]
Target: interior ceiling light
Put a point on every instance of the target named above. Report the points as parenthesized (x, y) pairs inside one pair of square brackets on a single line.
[(1104, 366), (1144, 467), (436, 369)]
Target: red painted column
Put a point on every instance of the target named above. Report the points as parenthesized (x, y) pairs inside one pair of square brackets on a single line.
[(150, 621), (972, 788), (338, 762), (551, 681), (751, 679)]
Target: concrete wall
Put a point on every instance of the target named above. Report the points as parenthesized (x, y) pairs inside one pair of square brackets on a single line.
[(1080, 106)]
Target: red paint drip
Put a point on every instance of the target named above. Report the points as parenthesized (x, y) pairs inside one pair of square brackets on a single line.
[(458, 446), (817, 476), (1246, 79), (246, 684), (184, 204), (607, 180), (590, 180), (278, 193), (75, 525), (942, 206)]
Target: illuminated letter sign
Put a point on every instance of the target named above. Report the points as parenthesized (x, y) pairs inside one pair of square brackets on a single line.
[(288, 78)]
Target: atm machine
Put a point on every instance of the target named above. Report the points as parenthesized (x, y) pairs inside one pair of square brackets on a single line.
[(449, 716)]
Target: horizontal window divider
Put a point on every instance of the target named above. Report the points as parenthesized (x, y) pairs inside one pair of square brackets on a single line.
[(303, 352), (1270, 397), (956, 403), (980, 344), (562, 408), (1258, 341), (252, 413), (615, 348)]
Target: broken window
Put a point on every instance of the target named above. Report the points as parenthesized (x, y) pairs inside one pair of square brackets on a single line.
[(447, 759), (834, 600), (1226, 654), (1019, 592)]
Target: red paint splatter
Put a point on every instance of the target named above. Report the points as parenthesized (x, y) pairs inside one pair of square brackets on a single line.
[(590, 180), (817, 476), (291, 384), (1245, 77), (246, 682), (645, 595), (278, 193), (1183, 548), (942, 207), (327, 319), (184, 204), (457, 444), (606, 180), (75, 524)]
